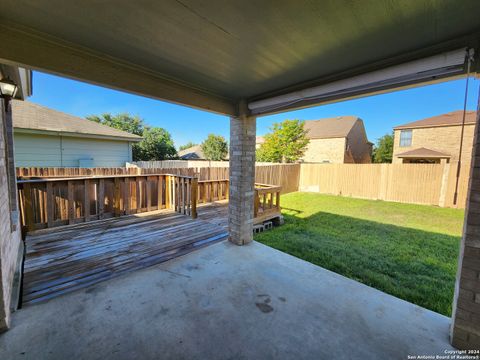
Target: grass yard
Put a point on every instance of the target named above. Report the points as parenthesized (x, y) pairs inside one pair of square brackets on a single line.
[(409, 251)]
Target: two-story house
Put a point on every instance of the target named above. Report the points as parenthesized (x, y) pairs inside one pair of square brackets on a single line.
[(339, 140), (435, 139)]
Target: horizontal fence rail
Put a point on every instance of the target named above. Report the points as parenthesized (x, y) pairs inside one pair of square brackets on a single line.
[(60, 201)]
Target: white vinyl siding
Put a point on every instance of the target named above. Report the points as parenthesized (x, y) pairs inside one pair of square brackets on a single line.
[(33, 150)]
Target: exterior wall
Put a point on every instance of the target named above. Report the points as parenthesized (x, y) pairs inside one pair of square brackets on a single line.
[(325, 150), (34, 150), (466, 306), (10, 238), (445, 139), (358, 145)]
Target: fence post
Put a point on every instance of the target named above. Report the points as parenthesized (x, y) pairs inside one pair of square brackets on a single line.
[(167, 192), (256, 204), (116, 203), (193, 197), (101, 197), (444, 183), (86, 200), (50, 205), (71, 202), (27, 191)]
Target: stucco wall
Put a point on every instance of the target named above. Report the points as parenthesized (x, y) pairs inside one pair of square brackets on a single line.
[(10, 238), (325, 150), (445, 139), (34, 150)]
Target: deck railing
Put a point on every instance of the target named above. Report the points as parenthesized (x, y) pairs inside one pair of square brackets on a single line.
[(212, 190), (50, 202), (266, 202)]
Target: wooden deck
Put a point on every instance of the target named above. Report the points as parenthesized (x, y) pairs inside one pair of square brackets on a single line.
[(64, 259)]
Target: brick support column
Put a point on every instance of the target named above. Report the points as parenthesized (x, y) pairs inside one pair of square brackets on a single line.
[(465, 332), (242, 178)]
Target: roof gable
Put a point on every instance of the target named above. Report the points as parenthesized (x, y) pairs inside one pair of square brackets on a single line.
[(335, 127), (30, 116)]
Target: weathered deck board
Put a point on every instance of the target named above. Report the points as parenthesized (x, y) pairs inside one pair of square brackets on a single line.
[(69, 258)]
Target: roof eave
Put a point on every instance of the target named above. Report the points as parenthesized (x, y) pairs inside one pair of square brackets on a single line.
[(406, 127), (75, 134), (424, 156)]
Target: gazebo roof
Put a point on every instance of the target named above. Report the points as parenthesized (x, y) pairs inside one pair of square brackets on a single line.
[(424, 153)]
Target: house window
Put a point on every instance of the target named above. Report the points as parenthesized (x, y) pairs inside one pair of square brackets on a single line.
[(406, 138)]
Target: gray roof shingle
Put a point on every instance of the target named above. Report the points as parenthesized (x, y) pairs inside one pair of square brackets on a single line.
[(30, 116), (335, 127), (448, 119)]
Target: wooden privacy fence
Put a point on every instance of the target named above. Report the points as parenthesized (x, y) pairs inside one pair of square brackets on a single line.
[(34, 172), (284, 175), (163, 164), (60, 201), (430, 184)]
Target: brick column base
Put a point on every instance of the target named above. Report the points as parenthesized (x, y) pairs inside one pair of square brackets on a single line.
[(242, 179), (465, 332)]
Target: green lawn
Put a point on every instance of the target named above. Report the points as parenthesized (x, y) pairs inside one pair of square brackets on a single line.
[(409, 251)]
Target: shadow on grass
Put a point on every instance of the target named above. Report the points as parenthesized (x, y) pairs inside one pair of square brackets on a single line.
[(414, 265)]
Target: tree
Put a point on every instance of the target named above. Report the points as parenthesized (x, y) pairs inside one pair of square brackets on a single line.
[(124, 121), (187, 145), (286, 142), (383, 151), (215, 147), (157, 143)]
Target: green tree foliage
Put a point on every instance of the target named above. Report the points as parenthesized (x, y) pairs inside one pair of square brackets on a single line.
[(286, 142), (383, 150), (157, 143), (187, 145), (215, 147), (124, 121)]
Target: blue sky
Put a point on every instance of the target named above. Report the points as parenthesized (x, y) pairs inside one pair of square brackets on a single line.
[(380, 113)]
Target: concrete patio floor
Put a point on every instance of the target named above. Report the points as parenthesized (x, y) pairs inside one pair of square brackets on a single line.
[(226, 302)]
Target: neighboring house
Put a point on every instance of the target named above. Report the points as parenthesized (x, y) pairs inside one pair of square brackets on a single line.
[(435, 139), (192, 153), (259, 140), (45, 137), (341, 139), (335, 140)]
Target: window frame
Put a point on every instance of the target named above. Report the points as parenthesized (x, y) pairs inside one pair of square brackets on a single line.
[(402, 142)]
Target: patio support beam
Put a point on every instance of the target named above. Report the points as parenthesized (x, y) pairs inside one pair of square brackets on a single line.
[(27, 48), (465, 330), (242, 176)]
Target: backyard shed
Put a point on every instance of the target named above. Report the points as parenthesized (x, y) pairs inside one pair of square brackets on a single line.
[(45, 137)]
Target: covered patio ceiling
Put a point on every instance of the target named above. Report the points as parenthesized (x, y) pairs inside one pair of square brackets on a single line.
[(210, 54)]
